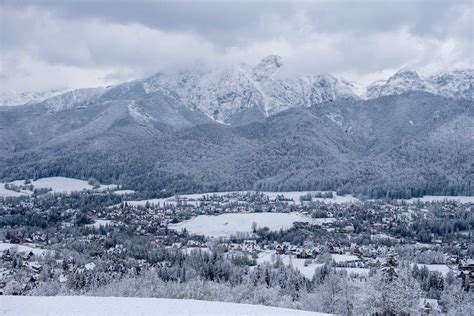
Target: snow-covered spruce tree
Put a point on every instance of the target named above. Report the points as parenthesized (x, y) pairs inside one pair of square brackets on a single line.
[(389, 266), (455, 301), (336, 295), (383, 295)]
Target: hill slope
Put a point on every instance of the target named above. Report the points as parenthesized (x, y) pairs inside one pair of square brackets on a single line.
[(398, 145), (88, 305)]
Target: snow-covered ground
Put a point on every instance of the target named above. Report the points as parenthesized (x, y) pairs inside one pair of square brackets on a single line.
[(343, 258), (441, 198), (442, 268), (67, 185), (309, 268), (21, 248), (123, 192), (299, 264), (9, 193), (100, 222), (62, 184), (295, 195), (193, 199), (118, 306), (56, 184), (225, 225)]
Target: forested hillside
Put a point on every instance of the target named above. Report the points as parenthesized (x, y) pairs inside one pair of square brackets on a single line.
[(398, 145)]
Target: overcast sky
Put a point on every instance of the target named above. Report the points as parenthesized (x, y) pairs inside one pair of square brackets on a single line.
[(69, 44)]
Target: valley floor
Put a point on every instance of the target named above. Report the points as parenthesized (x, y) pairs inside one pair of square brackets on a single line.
[(88, 305)]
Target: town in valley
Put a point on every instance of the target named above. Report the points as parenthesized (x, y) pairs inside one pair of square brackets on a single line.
[(273, 248)]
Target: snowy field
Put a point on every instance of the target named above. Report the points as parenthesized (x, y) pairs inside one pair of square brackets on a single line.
[(67, 185), (442, 268), (123, 192), (21, 248), (308, 269), (225, 225), (62, 184), (121, 306), (295, 196), (343, 258), (9, 193), (100, 222), (193, 199), (56, 184)]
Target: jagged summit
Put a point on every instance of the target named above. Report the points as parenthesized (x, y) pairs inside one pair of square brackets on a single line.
[(405, 73), (267, 67), (453, 84), (457, 83), (241, 93), (404, 80)]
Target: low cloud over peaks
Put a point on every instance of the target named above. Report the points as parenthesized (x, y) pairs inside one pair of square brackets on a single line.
[(82, 44)]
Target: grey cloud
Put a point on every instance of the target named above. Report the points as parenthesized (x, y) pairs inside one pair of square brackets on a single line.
[(121, 40), (211, 19), (215, 19)]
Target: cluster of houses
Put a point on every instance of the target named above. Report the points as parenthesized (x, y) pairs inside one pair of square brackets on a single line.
[(22, 271), (299, 252), (13, 260), (466, 273), (152, 220)]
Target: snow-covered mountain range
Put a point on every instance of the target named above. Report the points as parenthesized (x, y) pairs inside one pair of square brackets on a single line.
[(455, 84), (311, 132), (244, 93), (8, 98)]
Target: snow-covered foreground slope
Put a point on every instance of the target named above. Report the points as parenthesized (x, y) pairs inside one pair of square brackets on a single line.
[(87, 305)]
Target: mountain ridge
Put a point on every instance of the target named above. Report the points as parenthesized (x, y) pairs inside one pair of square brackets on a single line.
[(243, 93), (396, 145), (247, 128)]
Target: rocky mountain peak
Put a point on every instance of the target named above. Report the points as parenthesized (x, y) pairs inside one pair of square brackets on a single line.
[(404, 80), (405, 73), (267, 67)]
